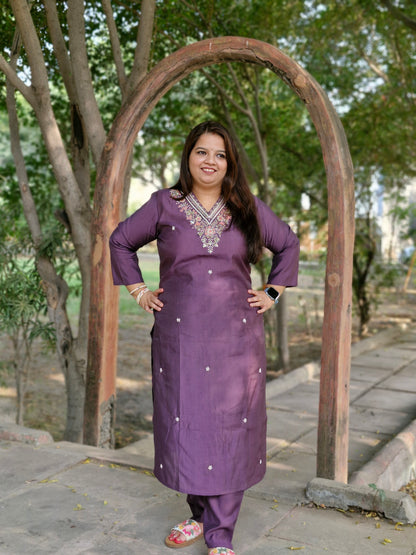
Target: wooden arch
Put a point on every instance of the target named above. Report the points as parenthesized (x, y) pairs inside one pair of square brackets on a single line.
[(336, 338)]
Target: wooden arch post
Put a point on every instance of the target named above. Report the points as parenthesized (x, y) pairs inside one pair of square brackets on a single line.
[(336, 338)]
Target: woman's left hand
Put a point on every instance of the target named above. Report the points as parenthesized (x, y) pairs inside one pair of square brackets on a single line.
[(260, 300)]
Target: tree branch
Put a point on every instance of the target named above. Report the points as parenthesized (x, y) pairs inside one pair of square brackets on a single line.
[(21, 11), (195, 9), (250, 169), (144, 42), (115, 44), (399, 15), (60, 50), (224, 93), (29, 207), (17, 83), (247, 111), (261, 146), (79, 59), (375, 68)]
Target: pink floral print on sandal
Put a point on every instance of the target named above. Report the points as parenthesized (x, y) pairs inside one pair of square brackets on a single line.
[(191, 531), (221, 551)]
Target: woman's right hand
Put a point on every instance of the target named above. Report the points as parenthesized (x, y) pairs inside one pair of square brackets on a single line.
[(150, 301)]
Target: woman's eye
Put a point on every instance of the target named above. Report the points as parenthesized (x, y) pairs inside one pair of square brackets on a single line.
[(201, 152), (221, 155)]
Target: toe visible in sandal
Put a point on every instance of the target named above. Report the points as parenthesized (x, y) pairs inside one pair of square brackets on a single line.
[(191, 531)]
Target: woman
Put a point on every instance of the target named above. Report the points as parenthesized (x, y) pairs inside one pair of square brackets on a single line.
[(208, 351)]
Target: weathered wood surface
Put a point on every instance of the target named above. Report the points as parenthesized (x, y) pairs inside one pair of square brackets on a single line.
[(336, 339)]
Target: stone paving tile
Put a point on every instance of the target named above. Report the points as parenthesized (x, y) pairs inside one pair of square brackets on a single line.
[(409, 370), (113, 483), (371, 375), (400, 382), (280, 487), (389, 400), (21, 464), (257, 518), (375, 419), (276, 546), (291, 462), (343, 532), (307, 443), (357, 388), (274, 445), (364, 445), (303, 399), (288, 425), (374, 360), (23, 518), (399, 350)]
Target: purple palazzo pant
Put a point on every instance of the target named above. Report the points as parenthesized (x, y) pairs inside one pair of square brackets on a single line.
[(218, 514)]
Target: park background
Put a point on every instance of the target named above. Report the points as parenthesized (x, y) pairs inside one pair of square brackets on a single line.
[(70, 68)]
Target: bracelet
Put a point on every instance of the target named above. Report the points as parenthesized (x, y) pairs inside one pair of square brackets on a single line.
[(141, 293), (137, 288)]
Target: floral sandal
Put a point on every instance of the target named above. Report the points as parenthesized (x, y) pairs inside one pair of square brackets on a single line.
[(221, 551), (191, 530)]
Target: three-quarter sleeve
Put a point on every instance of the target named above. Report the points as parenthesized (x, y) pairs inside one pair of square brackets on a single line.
[(131, 234), (284, 245)]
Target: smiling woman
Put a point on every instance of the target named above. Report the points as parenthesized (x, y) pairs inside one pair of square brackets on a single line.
[(208, 350)]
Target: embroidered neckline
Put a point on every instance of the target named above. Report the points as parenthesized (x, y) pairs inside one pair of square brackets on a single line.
[(208, 224)]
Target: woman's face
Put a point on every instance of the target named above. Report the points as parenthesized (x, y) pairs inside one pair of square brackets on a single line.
[(208, 163)]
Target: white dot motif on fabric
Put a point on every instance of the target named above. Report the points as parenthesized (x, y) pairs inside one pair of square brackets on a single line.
[(207, 368), (178, 320), (245, 420), (173, 228), (244, 321), (177, 419), (210, 467)]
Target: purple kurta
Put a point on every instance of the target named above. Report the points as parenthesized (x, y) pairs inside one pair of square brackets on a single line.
[(208, 350)]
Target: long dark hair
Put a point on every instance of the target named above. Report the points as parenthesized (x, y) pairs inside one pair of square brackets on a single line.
[(235, 189)]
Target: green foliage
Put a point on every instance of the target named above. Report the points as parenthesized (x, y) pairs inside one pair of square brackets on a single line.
[(361, 53), (22, 303)]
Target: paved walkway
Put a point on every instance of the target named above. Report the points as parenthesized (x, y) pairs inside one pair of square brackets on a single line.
[(70, 499)]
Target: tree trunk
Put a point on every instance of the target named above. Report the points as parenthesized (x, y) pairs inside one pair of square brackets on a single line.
[(360, 291), (73, 364), (72, 355), (18, 375)]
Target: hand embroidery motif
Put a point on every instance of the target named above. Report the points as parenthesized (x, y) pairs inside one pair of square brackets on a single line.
[(209, 225)]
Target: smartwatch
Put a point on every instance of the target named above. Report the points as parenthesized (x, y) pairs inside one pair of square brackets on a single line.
[(273, 294)]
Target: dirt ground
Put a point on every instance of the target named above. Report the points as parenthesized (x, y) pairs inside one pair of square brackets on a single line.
[(45, 397)]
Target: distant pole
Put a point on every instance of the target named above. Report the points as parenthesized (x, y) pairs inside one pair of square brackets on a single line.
[(282, 334)]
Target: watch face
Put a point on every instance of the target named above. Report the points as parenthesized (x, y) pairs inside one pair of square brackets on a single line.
[(273, 294)]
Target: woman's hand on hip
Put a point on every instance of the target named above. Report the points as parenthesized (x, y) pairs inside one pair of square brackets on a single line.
[(150, 301), (260, 300)]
